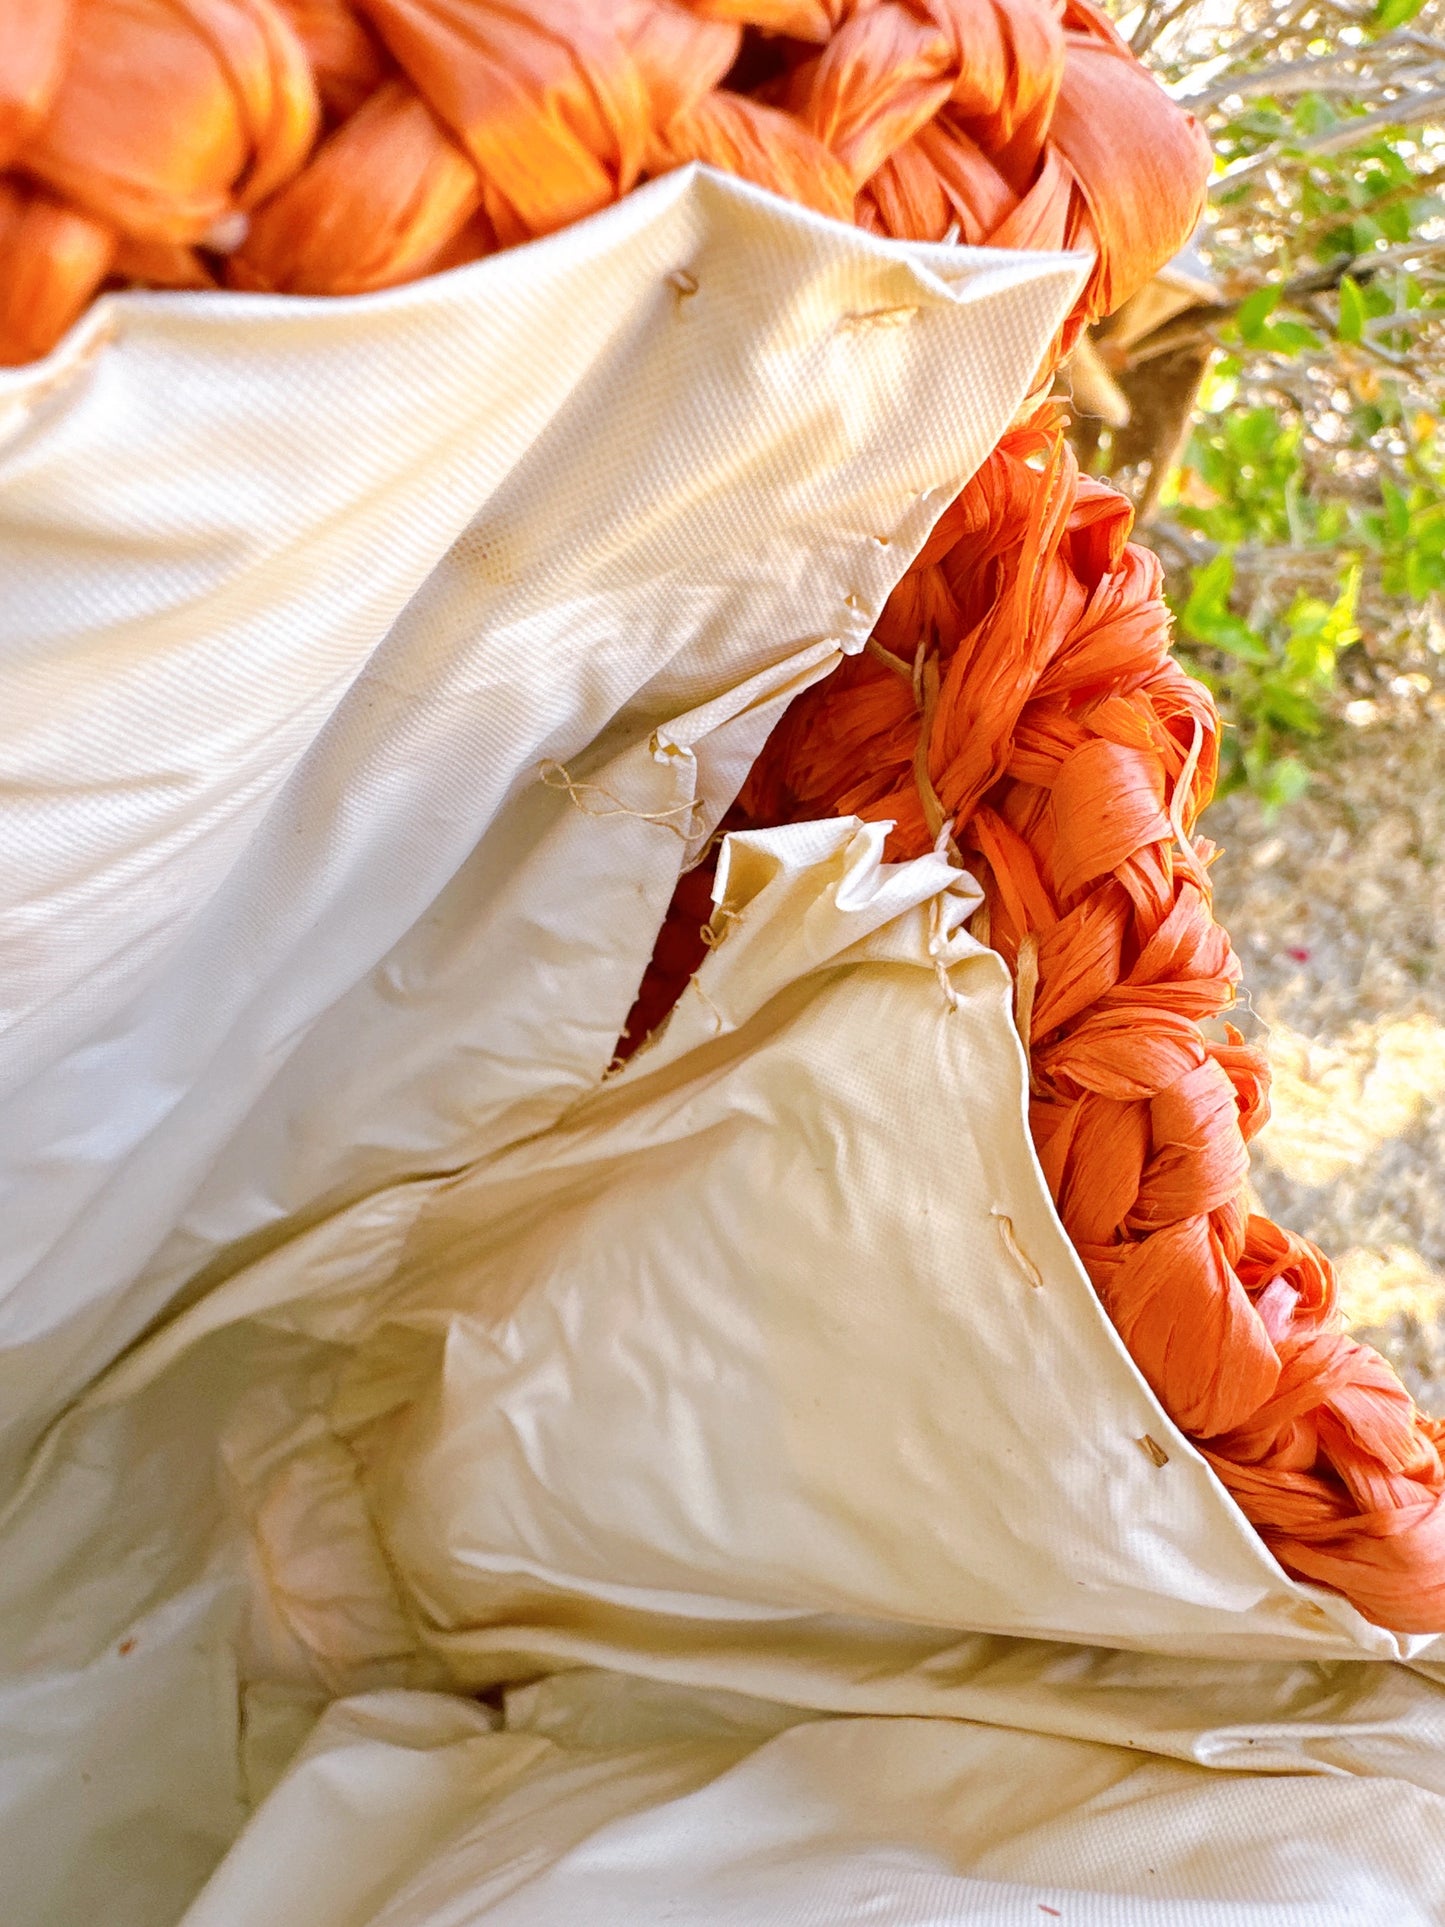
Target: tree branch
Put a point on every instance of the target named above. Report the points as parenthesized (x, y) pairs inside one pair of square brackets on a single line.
[(1408, 111), (1156, 21), (1417, 186), (1298, 76)]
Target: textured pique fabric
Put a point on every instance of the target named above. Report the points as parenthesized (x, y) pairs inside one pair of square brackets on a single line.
[(593, 1801)]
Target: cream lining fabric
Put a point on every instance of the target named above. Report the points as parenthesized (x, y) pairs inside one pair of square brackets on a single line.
[(603, 1803), (368, 670)]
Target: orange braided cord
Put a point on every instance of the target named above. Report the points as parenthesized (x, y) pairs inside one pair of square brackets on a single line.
[(1072, 756), (52, 260), (170, 115), (331, 146)]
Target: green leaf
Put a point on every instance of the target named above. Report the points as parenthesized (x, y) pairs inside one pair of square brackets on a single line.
[(1208, 594), (1316, 632), (1291, 709), (1389, 14), (1341, 629), (1313, 114), (1258, 754), (1236, 638), (1208, 618), (1427, 524), (1395, 223), (1385, 160), (1397, 510), (1349, 238), (1254, 311), (1288, 337), (1352, 311), (1209, 590), (1424, 571), (1330, 523), (1284, 782)]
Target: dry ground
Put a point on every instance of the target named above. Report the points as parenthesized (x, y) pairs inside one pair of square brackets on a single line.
[(1337, 911)]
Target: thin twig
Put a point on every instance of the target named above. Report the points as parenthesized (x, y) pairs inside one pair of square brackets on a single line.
[(1286, 77), (1197, 325), (1271, 31), (1157, 21), (1405, 112)]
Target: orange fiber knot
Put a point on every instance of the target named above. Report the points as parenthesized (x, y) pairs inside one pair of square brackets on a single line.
[(136, 130), (335, 146), (1019, 685)]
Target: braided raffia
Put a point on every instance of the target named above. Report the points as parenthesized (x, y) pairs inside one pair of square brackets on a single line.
[(1071, 756), (334, 146)]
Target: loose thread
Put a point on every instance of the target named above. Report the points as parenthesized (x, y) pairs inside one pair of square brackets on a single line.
[(927, 685), (1015, 1250), (1026, 983), (898, 317), (719, 1021), (937, 937), (886, 656), (1244, 995), (944, 846), (723, 919), (1179, 802), (695, 862), (556, 777)]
